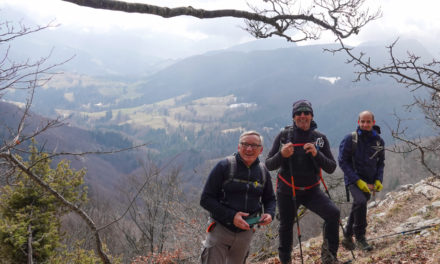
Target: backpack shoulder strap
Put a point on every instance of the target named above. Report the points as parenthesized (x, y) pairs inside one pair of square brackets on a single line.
[(354, 141), (263, 173), (287, 133), (232, 162)]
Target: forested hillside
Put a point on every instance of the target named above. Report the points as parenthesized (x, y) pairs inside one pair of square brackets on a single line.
[(197, 107)]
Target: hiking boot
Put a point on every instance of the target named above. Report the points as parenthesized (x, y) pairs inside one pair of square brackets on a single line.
[(329, 258), (326, 256), (362, 244), (348, 243), (284, 258)]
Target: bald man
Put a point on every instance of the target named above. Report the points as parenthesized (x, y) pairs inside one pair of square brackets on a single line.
[(361, 158)]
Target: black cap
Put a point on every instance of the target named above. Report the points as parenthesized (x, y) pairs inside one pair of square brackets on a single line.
[(302, 106)]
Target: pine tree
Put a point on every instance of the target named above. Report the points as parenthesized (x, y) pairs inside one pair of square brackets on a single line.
[(29, 216)]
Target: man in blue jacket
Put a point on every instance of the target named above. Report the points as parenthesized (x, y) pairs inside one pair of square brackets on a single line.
[(238, 194), (361, 158)]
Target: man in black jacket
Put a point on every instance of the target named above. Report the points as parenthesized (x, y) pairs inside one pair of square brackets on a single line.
[(301, 152), (235, 194)]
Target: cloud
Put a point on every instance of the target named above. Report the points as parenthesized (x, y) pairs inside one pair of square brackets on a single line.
[(407, 18)]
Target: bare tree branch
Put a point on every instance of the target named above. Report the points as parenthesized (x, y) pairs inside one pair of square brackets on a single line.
[(156, 173), (415, 74), (410, 72), (341, 17)]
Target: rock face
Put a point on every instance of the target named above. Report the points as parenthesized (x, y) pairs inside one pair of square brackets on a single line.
[(404, 227), (425, 215)]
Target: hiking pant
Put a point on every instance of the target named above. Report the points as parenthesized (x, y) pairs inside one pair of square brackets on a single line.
[(316, 201), (357, 221), (222, 246)]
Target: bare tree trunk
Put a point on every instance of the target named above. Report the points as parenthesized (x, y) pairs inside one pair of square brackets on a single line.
[(30, 253)]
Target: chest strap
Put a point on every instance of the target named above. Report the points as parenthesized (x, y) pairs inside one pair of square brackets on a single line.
[(293, 185)]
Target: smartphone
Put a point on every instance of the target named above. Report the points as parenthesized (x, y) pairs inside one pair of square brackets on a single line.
[(253, 220)]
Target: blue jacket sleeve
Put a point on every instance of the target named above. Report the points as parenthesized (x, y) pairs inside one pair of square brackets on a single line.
[(345, 161), (212, 195)]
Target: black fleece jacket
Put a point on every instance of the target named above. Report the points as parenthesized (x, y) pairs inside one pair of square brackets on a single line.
[(305, 167), (223, 202)]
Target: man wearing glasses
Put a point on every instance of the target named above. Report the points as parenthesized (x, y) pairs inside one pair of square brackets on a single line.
[(300, 152), (238, 194)]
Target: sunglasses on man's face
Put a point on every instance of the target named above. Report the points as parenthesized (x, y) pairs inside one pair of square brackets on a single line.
[(303, 112)]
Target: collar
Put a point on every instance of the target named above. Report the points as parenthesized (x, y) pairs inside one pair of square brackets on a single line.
[(237, 155), (373, 133), (313, 126)]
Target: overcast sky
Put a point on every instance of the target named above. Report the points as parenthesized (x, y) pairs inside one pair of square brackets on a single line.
[(401, 18)]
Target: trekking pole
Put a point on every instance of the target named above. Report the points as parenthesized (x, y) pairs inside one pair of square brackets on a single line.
[(339, 220), (406, 232), (296, 210)]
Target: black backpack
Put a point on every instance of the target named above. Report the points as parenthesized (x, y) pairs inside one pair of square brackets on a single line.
[(233, 171)]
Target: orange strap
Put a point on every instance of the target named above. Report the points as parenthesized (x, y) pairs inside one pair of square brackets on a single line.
[(323, 182), (296, 187), (291, 185), (210, 227)]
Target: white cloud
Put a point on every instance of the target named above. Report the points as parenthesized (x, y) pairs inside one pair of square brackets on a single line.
[(401, 18), (331, 80), (69, 97), (244, 105)]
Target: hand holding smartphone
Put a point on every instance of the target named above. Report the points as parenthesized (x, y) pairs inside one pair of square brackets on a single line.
[(253, 220)]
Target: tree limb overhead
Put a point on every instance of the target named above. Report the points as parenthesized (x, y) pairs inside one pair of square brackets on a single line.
[(285, 18)]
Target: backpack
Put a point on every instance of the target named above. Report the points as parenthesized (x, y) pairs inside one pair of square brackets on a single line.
[(354, 141), (233, 171)]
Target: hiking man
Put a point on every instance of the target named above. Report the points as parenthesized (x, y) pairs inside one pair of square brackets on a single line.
[(300, 151), (235, 194), (361, 158)]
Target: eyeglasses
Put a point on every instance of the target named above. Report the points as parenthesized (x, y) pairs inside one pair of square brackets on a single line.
[(306, 113), (253, 146)]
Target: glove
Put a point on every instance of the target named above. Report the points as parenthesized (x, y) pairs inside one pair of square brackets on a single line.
[(363, 186), (378, 186)]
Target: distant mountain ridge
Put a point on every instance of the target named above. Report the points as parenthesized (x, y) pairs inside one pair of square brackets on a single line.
[(269, 79), (198, 106)]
